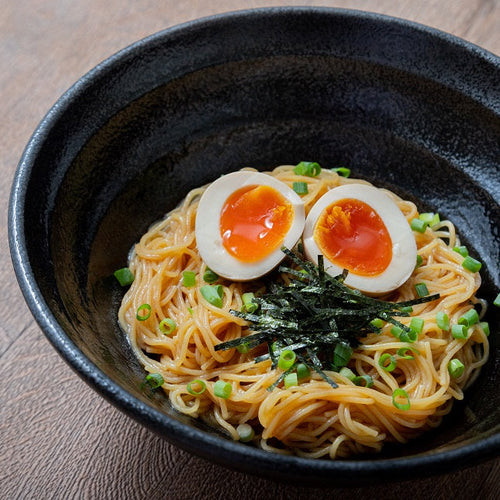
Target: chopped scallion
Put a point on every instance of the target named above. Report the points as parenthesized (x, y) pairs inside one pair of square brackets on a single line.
[(209, 276), (431, 218), (377, 324), (343, 171), (222, 389), (242, 348), (309, 168), (167, 326), (418, 225), (469, 318), (421, 289), (407, 309), (286, 359), (143, 312), (249, 305), (396, 331), (399, 394), (290, 380), (154, 380), (363, 380), (302, 371), (124, 276), (403, 352), (300, 187), (459, 331), (409, 337), (443, 321), (420, 260), (417, 325), (341, 355), (213, 294), (347, 373), (387, 362), (471, 264), (188, 278), (486, 328), (496, 302), (245, 432), (462, 250), (456, 368), (196, 387)]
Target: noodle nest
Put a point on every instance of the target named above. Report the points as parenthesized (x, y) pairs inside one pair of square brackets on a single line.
[(311, 419)]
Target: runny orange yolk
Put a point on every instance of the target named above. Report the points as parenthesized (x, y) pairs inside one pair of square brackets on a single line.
[(254, 222), (352, 235)]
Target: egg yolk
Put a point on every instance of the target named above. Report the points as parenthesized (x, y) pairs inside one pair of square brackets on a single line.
[(353, 236), (254, 222)]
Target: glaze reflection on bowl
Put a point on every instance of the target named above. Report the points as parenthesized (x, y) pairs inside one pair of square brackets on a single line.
[(402, 105)]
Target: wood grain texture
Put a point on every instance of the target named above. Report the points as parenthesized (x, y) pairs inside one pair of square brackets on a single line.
[(59, 439)]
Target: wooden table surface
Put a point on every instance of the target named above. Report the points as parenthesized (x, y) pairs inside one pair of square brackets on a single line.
[(58, 438)]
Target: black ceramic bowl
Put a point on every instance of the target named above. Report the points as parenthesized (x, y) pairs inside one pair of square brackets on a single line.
[(404, 106)]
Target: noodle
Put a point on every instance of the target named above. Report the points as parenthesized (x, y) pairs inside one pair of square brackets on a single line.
[(311, 419)]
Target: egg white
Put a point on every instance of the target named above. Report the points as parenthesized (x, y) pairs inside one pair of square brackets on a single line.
[(404, 248), (207, 226)]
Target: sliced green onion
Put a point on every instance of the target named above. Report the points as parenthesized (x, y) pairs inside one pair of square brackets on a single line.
[(377, 324), (143, 312), (347, 373), (421, 289), (407, 309), (190, 310), (309, 168), (188, 278), (469, 318), (248, 304), (124, 276), (471, 264), (403, 352), (401, 393), (167, 326), (443, 321), (363, 380), (456, 368), (302, 371), (496, 302), (242, 348), (290, 380), (199, 383), (462, 250), (459, 331), (417, 325), (213, 294), (343, 171), (286, 359), (382, 362), (396, 331), (342, 354), (486, 328), (409, 337), (245, 432), (420, 260), (300, 187), (222, 389), (418, 225), (209, 276), (431, 218), (154, 380)]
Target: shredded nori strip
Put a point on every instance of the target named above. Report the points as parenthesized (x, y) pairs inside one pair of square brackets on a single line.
[(312, 314)]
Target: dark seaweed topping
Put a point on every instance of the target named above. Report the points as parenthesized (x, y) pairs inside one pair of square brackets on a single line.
[(312, 314)]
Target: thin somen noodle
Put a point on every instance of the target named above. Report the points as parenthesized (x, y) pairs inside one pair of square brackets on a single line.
[(310, 419)]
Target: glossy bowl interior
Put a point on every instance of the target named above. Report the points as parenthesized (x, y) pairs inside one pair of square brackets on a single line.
[(404, 106)]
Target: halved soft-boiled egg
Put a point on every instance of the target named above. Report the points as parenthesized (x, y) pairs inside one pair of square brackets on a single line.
[(243, 220), (359, 228)]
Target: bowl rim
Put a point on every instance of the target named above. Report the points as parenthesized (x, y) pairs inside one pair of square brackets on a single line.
[(231, 454)]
